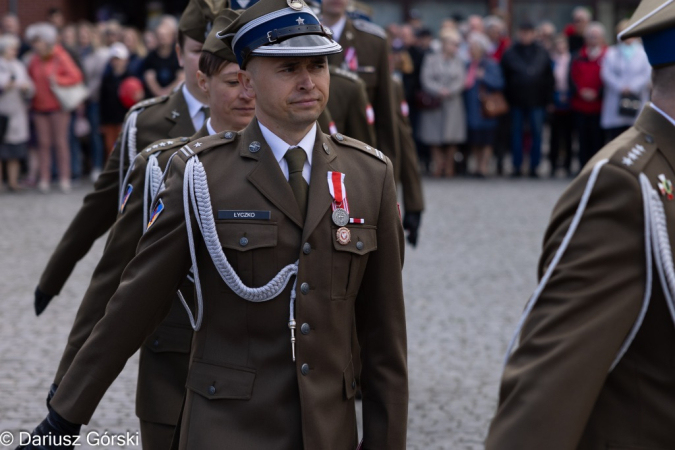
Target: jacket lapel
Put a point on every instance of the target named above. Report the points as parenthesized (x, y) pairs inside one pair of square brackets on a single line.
[(319, 195), (347, 36), (267, 176), (177, 113)]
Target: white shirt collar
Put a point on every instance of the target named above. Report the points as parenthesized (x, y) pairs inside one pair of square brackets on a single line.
[(660, 111), (279, 147), (338, 28), (194, 107), (209, 128)]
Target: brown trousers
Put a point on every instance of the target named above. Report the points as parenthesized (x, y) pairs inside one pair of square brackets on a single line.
[(156, 436)]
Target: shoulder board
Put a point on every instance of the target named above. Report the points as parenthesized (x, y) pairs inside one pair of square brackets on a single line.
[(341, 139), (194, 148), (149, 102), (370, 28), (344, 73), (633, 150), (163, 145)]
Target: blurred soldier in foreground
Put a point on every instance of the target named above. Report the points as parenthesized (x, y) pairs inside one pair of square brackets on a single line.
[(594, 369)]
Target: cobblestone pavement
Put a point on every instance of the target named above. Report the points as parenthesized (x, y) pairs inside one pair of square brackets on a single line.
[(465, 285)]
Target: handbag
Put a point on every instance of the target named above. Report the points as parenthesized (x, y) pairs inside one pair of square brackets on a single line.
[(70, 97), (629, 105), (424, 100), (493, 104)]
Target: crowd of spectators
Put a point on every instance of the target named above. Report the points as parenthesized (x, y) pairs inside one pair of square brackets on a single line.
[(105, 67), (569, 83), (583, 92)]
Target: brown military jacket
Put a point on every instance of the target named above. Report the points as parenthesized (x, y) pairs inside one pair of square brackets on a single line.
[(413, 198), (243, 387), (369, 42), (349, 106), (99, 210), (165, 354), (605, 295)]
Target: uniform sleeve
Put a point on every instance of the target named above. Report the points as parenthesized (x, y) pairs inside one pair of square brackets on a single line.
[(357, 125), (119, 250), (413, 198), (380, 321), (141, 302), (95, 217), (581, 320), (385, 113)]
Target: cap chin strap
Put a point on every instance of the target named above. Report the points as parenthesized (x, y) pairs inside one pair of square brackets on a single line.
[(196, 196)]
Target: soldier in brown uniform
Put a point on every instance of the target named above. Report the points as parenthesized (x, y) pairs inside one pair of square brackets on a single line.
[(176, 115), (594, 369), (349, 106), (271, 364), (164, 357), (413, 200), (366, 53)]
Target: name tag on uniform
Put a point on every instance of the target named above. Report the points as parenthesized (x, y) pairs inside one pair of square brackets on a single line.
[(245, 215)]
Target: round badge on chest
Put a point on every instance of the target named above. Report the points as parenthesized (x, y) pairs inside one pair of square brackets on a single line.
[(340, 217), (344, 236)]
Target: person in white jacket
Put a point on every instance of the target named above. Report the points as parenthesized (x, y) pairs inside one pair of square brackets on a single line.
[(626, 74), (16, 89)]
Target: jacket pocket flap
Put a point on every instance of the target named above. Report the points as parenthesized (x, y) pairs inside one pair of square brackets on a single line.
[(170, 339), (220, 382), (363, 239), (349, 380), (246, 236)]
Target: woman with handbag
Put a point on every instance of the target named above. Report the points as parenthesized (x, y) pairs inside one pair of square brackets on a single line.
[(627, 76), (483, 100), (443, 127), (16, 89), (52, 70)]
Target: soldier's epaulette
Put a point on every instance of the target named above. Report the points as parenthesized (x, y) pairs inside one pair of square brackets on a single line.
[(370, 28), (334, 70), (163, 145), (149, 102), (193, 148), (353, 143), (635, 150)]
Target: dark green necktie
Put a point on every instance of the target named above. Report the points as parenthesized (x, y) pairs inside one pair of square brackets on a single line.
[(296, 157)]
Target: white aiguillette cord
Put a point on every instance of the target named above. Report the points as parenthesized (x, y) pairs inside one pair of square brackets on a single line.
[(196, 193)]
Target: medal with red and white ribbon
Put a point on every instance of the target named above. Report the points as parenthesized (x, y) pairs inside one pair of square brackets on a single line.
[(336, 186), (351, 60)]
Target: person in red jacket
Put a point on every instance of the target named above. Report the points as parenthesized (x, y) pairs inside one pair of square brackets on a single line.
[(586, 88), (49, 64)]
